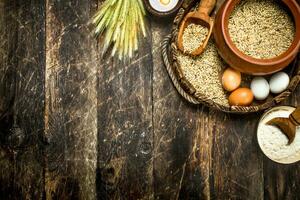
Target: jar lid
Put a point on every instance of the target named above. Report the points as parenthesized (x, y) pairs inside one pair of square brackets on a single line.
[(162, 8)]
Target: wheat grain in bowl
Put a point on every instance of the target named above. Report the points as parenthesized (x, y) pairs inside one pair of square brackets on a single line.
[(262, 29), (203, 72), (193, 37)]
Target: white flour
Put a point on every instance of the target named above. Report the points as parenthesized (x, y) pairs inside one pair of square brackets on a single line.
[(273, 142)]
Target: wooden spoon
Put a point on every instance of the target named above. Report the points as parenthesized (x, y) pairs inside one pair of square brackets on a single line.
[(201, 17), (287, 125)]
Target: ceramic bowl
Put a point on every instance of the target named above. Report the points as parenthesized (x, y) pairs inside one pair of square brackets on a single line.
[(247, 64)]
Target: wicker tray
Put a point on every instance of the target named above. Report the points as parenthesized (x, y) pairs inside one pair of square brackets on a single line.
[(186, 89)]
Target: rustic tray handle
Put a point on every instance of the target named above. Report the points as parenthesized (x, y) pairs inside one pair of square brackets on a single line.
[(165, 56)]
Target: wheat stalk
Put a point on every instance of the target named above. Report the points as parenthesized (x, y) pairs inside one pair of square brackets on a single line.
[(119, 23)]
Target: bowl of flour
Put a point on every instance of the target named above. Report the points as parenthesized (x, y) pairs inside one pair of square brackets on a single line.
[(273, 142)]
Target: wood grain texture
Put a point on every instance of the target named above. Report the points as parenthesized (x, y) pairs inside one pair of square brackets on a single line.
[(182, 147), (197, 180), (7, 73), (105, 129), (8, 32), (71, 101), (237, 168), (125, 139), (25, 53)]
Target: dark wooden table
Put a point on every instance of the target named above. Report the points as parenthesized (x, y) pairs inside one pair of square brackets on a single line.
[(96, 128)]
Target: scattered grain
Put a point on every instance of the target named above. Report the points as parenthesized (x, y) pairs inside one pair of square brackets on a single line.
[(203, 72), (261, 28), (193, 37)]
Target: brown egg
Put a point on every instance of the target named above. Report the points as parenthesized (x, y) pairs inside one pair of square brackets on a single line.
[(231, 79), (241, 97)]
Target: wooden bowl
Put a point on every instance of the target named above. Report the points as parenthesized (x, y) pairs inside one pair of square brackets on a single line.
[(162, 14), (247, 64)]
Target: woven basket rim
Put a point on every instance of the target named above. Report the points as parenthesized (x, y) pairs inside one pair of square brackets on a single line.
[(188, 87)]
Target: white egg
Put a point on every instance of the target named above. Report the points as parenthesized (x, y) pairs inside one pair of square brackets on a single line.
[(163, 5), (260, 88), (279, 82)]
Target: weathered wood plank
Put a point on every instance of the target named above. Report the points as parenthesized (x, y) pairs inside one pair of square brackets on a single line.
[(237, 165), (8, 34), (71, 101), (22, 168), (125, 139), (281, 181), (181, 141), (197, 179), (30, 100)]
